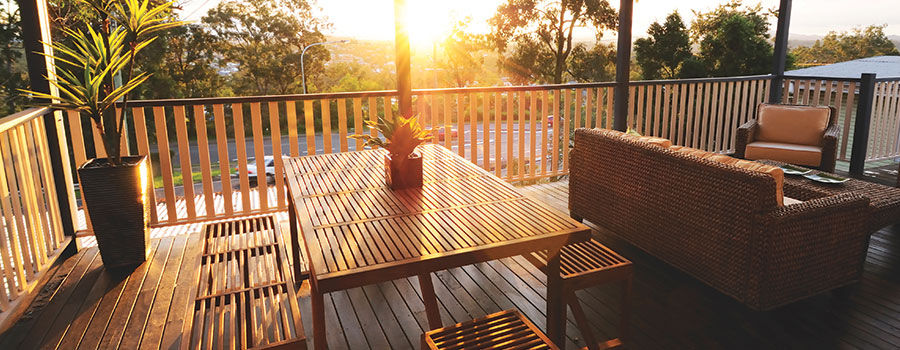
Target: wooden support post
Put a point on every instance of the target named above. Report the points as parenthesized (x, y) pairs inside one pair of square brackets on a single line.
[(401, 43), (35, 33), (780, 56), (861, 127), (623, 66)]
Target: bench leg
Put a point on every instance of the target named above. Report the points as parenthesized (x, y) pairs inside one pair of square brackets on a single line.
[(430, 301), (581, 320)]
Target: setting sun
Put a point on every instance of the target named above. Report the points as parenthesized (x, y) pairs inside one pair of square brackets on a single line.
[(428, 22)]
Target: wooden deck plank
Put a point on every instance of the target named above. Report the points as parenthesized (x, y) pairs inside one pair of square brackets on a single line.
[(49, 301), (153, 331), (50, 334), (670, 309)]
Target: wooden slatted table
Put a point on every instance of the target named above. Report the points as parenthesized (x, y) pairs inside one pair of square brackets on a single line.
[(357, 232)]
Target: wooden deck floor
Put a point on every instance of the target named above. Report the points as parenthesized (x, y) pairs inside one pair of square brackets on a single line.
[(85, 307)]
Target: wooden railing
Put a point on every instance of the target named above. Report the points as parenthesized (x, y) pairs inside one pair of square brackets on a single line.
[(699, 113), (520, 133), (884, 132), (31, 228)]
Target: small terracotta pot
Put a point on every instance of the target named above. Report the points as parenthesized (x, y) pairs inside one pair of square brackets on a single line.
[(403, 174)]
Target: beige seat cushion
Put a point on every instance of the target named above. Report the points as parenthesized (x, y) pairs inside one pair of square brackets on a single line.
[(775, 172), (801, 125), (785, 152)]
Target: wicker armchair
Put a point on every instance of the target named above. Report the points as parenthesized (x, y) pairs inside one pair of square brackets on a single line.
[(779, 148), (717, 222)]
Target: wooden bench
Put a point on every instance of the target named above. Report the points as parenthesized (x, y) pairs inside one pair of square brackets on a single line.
[(502, 330), (245, 294), (589, 264)]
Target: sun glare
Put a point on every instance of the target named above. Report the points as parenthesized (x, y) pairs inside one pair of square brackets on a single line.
[(428, 22)]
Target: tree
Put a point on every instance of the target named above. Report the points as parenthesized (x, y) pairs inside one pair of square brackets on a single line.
[(661, 55), (352, 76), (462, 60), (594, 64), (845, 46), (264, 38), (542, 32), (184, 65), (12, 71), (734, 40)]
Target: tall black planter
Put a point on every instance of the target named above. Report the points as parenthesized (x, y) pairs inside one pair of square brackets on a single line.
[(116, 200)]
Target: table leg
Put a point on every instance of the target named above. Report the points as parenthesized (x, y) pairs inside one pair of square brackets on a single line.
[(295, 241), (556, 306), (318, 319), (430, 301)]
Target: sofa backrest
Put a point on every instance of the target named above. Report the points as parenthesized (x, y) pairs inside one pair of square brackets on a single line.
[(663, 201), (803, 125)]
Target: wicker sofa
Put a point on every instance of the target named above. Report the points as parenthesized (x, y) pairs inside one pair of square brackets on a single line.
[(717, 222)]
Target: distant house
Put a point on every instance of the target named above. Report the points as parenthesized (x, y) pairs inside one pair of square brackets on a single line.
[(882, 66)]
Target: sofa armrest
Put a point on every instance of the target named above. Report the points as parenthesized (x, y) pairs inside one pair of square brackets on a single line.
[(744, 135), (808, 248), (829, 148)]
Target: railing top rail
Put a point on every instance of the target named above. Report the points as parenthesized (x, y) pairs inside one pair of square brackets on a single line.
[(382, 93), (355, 94), (813, 77), (16, 119), (701, 80)]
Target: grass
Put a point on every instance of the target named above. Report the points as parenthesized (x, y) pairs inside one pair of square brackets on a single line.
[(177, 178)]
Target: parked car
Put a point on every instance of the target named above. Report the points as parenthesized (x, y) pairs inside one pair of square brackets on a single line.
[(268, 172), (440, 134)]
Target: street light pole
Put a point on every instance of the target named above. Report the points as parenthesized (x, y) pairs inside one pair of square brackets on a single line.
[(302, 69)]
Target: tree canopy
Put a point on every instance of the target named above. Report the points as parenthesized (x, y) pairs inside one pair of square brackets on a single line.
[(734, 39), (264, 38), (846, 46), (662, 54), (462, 59), (541, 33)]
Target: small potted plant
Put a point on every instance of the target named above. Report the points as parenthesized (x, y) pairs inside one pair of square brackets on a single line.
[(114, 189), (402, 165)]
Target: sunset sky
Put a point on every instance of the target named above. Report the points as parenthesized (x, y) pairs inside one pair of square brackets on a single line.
[(373, 19)]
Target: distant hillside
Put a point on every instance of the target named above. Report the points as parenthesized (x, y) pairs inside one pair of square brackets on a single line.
[(809, 39)]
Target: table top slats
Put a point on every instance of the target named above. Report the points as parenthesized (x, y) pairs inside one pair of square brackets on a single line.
[(354, 225)]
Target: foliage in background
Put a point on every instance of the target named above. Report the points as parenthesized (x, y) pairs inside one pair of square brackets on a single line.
[(462, 58), (846, 46), (264, 40), (541, 34), (184, 63), (597, 63), (12, 69), (665, 53), (733, 39)]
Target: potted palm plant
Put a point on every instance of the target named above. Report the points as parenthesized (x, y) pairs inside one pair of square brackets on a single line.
[(402, 166), (114, 189)]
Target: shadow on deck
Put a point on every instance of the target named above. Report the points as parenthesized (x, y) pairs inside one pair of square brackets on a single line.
[(83, 306)]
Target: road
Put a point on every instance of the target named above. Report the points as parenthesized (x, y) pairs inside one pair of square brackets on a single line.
[(335, 143)]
